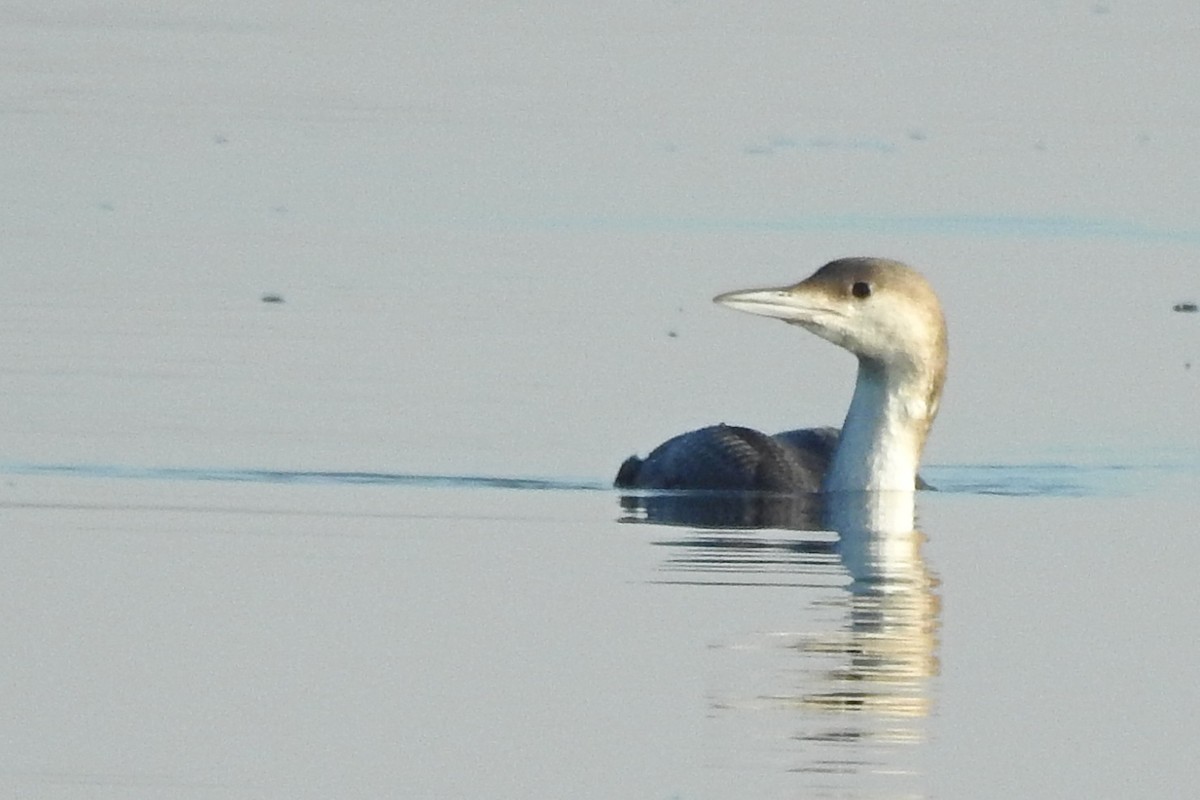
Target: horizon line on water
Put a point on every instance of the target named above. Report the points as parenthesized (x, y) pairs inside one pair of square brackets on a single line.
[(342, 477), (1051, 478), (1047, 226)]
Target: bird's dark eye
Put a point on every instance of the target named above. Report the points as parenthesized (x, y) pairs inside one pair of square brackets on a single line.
[(861, 289)]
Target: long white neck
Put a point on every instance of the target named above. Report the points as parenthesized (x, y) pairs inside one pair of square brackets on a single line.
[(883, 435)]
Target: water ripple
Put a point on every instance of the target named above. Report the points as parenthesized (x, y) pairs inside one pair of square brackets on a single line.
[(298, 477), (1020, 480), (995, 225)]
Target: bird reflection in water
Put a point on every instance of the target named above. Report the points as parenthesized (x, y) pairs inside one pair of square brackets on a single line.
[(865, 681)]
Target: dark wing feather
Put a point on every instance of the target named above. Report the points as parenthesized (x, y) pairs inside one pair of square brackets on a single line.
[(732, 458)]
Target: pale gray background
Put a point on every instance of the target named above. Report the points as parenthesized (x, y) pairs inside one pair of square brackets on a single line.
[(486, 222)]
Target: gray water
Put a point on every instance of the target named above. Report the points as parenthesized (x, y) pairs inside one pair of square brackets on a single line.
[(360, 542)]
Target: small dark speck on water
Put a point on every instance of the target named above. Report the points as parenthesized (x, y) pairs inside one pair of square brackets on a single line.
[(272, 298), (1185, 308), (673, 334)]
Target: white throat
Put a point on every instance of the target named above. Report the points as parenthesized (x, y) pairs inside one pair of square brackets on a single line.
[(883, 435)]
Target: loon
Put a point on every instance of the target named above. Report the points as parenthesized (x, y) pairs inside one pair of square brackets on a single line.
[(889, 317)]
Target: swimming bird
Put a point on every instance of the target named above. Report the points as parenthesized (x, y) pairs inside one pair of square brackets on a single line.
[(889, 317)]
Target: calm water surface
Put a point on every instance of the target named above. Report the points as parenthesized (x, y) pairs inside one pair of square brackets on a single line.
[(274, 638), (359, 543)]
